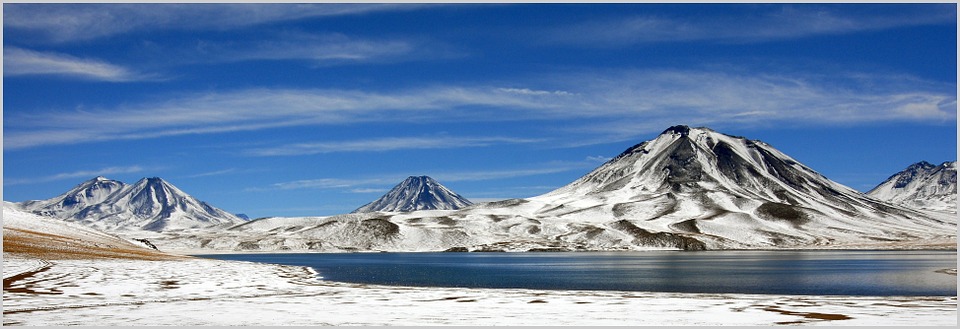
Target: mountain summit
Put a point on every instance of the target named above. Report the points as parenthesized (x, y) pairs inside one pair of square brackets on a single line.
[(416, 193), (149, 204), (712, 186), (684, 160), (922, 186)]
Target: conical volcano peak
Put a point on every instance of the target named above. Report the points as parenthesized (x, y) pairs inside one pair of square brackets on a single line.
[(424, 179), (700, 161), (155, 180), (416, 193), (681, 130), (157, 185), (685, 131), (420, 184)]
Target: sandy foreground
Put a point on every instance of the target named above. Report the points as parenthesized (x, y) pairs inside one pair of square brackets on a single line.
[(191, 291)]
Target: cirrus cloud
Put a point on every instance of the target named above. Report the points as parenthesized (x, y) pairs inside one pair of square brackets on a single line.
[(63, 23), (19, 62), (760, 24), (385, 144), (76, 174), (600, 105)]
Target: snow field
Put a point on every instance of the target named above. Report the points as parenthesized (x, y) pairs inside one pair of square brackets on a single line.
[(212, 292)]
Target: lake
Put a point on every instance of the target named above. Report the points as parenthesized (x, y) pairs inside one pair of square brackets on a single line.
[(873, 273)]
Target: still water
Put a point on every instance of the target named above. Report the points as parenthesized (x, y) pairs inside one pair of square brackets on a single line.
[(877, 273)]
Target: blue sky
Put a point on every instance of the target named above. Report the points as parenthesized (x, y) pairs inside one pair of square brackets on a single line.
[(317, 109)]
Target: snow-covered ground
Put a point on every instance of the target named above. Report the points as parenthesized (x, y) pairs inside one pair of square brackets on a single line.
[(127, 292), (58, 273)]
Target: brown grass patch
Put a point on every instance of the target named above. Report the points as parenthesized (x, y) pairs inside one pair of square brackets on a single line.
[(50, 246), (807, 315), (8, 282)]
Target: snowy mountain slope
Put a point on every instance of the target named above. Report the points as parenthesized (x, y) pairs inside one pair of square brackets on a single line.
[(688, 188), (91, 192), (150, 204), (416, 193), (697, 182), (50, 238), (922, 186)]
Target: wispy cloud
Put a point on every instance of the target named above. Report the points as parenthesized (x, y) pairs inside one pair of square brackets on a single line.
[(18, 61), (58, 23), (329, 48), (369, 190), (330, 183), (527, 91), (85, 174), (322, 49), (385, 144), (383, 182), (215, 173), (777, 23), (649, 100), (605, 105), (248, 110)]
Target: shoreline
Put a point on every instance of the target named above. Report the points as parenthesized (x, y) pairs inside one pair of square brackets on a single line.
[(946, 270), (195, 252), (57, 273), (147, 292)]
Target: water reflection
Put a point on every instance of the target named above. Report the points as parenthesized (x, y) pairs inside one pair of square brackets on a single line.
[(766, 272)]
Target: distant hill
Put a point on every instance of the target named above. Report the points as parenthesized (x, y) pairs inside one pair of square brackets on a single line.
[(922, 185), (42, 237), (150, 204), (416, 193)]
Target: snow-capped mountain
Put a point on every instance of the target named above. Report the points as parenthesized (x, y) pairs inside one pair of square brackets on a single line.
[(923, 186), (688, 188), (416, 193), (702, 184), (150, 204), (697, 173)]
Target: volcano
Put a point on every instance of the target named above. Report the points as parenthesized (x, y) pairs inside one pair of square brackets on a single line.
[(416, 193), (150, 204)]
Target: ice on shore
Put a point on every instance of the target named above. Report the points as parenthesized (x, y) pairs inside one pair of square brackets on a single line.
[(112, 292)]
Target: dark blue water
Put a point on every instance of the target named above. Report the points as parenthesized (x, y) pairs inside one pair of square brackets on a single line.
[(873, 273)]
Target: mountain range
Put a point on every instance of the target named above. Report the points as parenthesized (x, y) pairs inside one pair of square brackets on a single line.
[(150, 204), (688, 188)]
